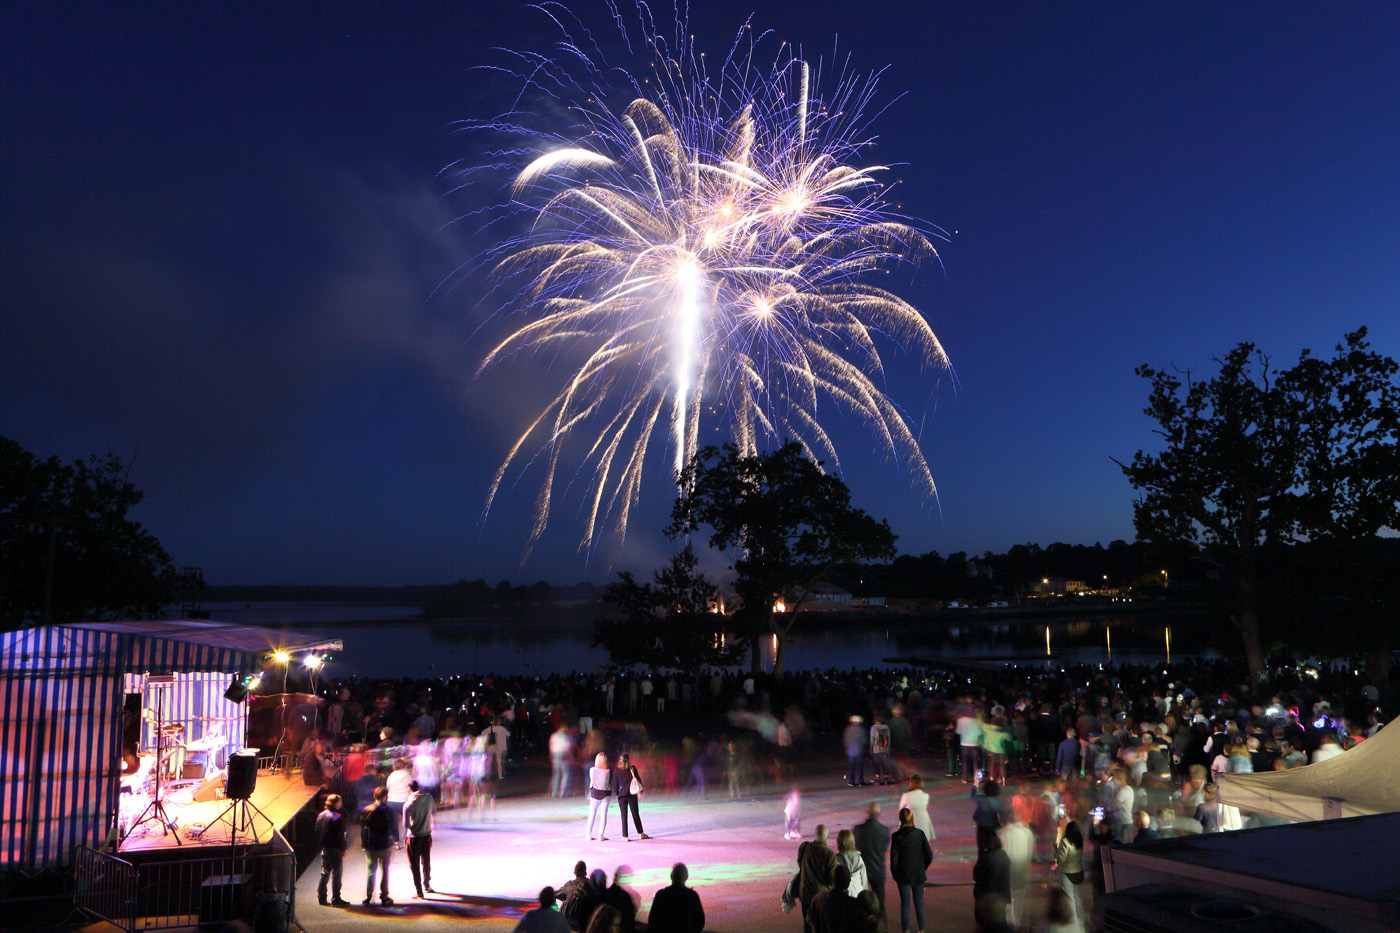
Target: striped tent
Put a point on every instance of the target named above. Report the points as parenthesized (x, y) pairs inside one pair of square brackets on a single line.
[(61, 693)]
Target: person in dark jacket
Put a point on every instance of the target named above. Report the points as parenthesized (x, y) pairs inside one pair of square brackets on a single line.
[(330, 836), (910, 857), (677, 909), (620, 898), (590, 898), (834, 910), (991, 882), (873, 841), (377, 839), (623, 779), (815, 862)]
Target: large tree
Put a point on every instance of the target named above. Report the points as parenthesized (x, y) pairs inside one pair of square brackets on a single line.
[(789, 523), (1347, 493), (1254, 457), (68, 550), (668, 623)]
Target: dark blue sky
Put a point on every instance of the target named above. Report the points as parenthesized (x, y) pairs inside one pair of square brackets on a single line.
[(223, 228)]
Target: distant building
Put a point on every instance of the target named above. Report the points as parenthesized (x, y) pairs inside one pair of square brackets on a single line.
[(1058, 586), (828, 593)]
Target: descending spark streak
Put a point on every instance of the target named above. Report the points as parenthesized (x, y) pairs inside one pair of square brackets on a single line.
[(704, 248)]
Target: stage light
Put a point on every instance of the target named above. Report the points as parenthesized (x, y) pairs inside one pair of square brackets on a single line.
[(314, 661), (281, 657)]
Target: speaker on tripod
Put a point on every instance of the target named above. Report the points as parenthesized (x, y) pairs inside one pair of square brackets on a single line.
[(242, 774), (242, 779)]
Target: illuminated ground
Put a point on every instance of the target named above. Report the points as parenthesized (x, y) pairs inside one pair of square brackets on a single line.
[(487, 874)]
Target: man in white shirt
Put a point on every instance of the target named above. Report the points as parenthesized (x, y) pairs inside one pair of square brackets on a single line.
[(970, 738)]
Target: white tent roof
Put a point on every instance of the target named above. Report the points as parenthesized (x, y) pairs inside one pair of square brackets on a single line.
[(1358, 782)]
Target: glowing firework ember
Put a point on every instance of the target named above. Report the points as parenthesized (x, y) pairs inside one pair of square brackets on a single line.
[(706, 250)]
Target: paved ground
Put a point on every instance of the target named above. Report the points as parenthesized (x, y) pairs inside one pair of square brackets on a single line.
[(487, 874)]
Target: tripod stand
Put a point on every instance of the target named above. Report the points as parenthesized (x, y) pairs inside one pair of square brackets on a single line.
[(156, 809), (239, 820)]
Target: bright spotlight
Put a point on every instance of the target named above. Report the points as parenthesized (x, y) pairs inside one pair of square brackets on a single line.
[(314, 661), (281, 657)]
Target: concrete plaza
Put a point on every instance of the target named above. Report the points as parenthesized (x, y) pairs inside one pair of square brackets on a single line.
[(487, 874)]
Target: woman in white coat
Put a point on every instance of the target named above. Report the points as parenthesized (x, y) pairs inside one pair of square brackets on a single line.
[(916, 799)]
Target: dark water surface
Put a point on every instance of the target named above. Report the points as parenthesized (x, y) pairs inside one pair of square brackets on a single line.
[(391, 641)]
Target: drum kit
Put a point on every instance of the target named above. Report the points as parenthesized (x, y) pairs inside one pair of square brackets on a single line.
[(173, 761)]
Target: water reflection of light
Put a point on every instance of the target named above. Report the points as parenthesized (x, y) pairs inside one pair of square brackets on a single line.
[(1047, 641), (1169, 644), (1108, 640)]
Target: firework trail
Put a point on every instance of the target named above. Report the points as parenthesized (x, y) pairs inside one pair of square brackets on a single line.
[(706, 250)]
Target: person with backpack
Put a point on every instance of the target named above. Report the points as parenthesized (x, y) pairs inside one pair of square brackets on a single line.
[(377, 839)]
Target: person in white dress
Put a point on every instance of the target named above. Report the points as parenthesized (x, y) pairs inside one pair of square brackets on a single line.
[(916, 799)]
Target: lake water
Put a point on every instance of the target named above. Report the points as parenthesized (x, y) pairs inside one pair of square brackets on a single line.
[(391, 641)]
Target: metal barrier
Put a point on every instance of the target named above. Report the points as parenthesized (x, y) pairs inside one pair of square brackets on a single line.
[(104, 887), (255, 886)]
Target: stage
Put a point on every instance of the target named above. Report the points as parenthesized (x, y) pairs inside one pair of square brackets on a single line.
[(278, 796)]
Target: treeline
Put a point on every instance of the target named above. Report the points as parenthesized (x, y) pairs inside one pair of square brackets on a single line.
[(1119, 566), (372, 595)]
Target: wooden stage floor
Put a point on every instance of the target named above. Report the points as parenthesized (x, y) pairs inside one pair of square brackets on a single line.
[(279, 797)]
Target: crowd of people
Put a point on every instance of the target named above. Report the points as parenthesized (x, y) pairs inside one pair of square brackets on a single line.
[(1056, 761)]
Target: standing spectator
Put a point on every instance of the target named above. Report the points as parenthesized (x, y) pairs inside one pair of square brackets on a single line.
[(969, 731), (854, 740), (834, 910), (377, 839), (590, 899), (1067, 755), (815, 862), (620, 899), (418, 819), (544, 918), (990, 811), (628, 782), (873, 841), (849, 856), (599, 792), (561, 750), (397, 791), (330, 836), (910, 858), (497, 738), (1018, 842), (880, 749), (916, 799), (606, 919), (1069, 866), (991, 882), (677, 909)]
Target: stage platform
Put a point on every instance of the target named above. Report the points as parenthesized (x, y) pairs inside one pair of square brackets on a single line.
[(279, 797)]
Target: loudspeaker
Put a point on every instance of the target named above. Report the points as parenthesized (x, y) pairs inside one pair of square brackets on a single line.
[(223, 898), (236, 692), (242, 774), (209, 788)]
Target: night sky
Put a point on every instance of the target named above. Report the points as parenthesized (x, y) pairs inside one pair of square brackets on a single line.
[(227, 254)]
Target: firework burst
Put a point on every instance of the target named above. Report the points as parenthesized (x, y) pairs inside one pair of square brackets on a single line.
[(703, 253)]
